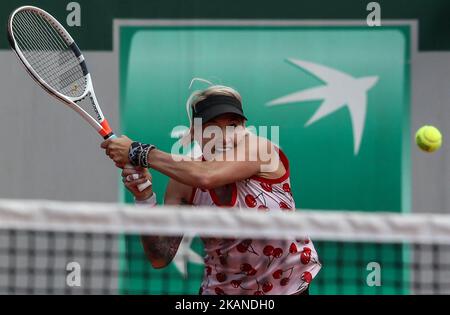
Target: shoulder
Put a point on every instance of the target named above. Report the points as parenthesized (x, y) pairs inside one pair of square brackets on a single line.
[(258, 148), (271, 159)]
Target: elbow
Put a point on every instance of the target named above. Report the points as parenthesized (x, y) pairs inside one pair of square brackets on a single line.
[(156, 262), (159, 263), (206, 182), (157, 257), (205, 177)]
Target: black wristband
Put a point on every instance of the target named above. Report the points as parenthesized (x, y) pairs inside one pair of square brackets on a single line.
[(138, 153)]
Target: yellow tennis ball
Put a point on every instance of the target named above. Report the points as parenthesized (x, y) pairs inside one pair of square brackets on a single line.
[(428, 138)]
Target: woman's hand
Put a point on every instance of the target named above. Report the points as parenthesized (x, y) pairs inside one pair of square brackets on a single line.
[(117, 149), (133, 177)]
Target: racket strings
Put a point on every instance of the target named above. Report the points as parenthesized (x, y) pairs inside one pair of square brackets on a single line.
[(47, 61), (52, 69), (54, 45), (27, 38), (63, 56), (48, 54)]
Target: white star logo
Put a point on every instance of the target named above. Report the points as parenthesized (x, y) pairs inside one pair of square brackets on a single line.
[(185, 254), (340, 90)]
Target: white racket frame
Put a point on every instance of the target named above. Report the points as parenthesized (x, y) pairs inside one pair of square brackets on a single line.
[(68, 100)]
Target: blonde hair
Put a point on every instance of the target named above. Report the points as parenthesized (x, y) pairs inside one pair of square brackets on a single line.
[(199, 95)]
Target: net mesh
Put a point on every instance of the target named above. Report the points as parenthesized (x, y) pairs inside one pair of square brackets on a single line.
[(89, 248), (48, 53)]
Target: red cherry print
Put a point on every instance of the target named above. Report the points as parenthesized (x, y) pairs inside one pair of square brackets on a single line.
[(246, 245), (263, 208), (218, 252), (221, 277), (268, 250), (284, 206), (286, 187), (219, 291), (306, 241), (267, 286), (277, 274), (258, 293), (266, 187), (305, 258), (307, 277), (208, 270), (277, 252), (241, 248), (246, 267), (293, 248), (284, 281), (251, 272), (236, 283), (250, 200)]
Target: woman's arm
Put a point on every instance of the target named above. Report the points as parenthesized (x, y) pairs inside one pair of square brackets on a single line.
[(203, 174), (160, 250)]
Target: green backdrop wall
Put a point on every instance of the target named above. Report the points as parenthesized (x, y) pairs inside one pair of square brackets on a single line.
[(157, 64)]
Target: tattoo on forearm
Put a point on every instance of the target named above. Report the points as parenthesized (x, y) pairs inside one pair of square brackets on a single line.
[(162, 249)]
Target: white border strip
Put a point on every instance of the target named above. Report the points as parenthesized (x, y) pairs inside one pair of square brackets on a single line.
[(41, 215), (117, 23)]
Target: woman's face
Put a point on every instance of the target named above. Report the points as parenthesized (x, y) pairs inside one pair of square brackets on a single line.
[(223, 133)]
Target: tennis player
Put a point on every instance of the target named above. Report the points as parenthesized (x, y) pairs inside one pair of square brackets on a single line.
[(237, 169)]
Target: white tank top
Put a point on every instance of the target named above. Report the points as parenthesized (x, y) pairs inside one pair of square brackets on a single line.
[(256, 267)]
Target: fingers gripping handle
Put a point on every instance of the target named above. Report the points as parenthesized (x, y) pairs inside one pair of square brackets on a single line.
[(142, 186)]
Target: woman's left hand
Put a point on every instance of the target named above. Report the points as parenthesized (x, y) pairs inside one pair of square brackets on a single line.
[(117, 149)]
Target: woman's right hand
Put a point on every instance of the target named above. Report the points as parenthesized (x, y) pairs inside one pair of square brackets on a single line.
[(132, 177)]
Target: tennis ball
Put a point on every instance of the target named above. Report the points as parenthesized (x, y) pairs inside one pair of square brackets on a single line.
[(428, 138)]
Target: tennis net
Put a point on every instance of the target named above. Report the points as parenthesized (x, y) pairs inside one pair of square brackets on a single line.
[(49, 247)]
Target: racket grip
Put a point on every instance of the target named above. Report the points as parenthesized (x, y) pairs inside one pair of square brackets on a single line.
[(142, 186)]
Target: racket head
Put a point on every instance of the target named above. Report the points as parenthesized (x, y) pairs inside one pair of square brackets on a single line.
[(48, 52), (53, 59)]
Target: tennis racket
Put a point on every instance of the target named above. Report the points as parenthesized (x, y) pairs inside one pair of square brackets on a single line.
[(53, 59)]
